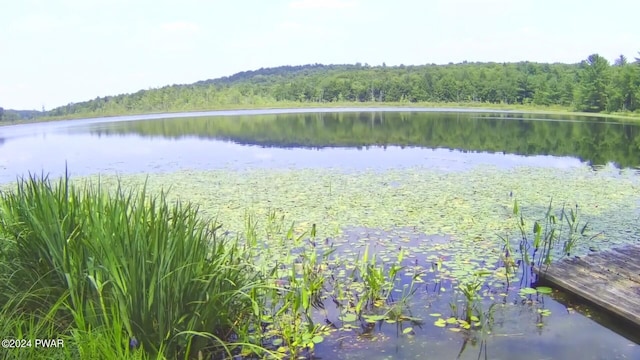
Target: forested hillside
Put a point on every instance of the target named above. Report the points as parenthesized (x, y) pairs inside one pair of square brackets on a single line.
[(16, 115), (594, 85)]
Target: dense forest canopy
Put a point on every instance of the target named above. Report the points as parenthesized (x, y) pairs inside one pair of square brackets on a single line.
[(594, 85)]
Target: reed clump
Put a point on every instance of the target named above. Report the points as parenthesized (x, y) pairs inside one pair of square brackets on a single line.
[(120, 274)]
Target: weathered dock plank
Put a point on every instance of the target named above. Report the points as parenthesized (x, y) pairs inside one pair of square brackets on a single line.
[(609, 279), (620, 265)]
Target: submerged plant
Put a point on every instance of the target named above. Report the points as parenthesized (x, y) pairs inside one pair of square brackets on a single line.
[(549, 237), (507, 259), (472, 299)]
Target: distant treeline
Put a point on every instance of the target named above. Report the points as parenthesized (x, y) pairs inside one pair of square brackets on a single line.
[(17, 115), (594, 85)]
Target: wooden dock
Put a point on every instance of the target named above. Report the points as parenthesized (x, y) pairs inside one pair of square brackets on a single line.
[(609, 279)]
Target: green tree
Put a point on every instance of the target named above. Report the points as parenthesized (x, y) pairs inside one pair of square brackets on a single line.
[(623, 88), (591, 95), (621, 61)]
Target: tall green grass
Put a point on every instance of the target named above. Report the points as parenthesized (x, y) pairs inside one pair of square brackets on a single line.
[(120, 274)]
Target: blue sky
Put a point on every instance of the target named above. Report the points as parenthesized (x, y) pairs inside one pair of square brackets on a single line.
[(54, 52)]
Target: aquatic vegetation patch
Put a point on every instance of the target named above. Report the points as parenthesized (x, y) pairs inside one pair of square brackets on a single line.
[(336, 256), (388, 242), (473, 206)]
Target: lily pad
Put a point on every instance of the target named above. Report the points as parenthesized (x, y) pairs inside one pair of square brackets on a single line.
[(440, 323), (544, 290), (527, 291), (317, 339), (349, 317)]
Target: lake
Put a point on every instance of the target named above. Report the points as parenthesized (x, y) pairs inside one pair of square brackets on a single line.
[(435, 187)]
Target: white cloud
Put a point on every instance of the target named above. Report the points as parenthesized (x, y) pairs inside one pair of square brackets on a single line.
[(322, 4), (289, 26), (180, 26), (37, 24), (173, 37)]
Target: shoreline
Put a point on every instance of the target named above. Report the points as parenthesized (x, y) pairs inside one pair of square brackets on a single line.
[(366, 106)]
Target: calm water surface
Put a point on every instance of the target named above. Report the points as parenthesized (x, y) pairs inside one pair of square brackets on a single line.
[(380, 139), (359, 139)]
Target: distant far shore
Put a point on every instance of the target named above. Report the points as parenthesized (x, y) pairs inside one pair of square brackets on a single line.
[(434, 106)]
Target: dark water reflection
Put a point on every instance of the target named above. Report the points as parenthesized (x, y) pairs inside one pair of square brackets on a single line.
[(350, 139), (594, 142)]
